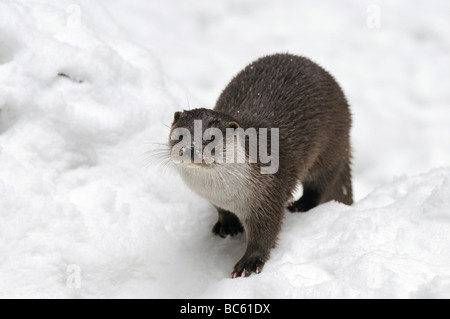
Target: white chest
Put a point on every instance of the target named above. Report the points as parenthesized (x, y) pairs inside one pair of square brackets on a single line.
[(229, 189)]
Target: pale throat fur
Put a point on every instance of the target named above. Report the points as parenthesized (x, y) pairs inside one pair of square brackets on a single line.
[(228, 186)]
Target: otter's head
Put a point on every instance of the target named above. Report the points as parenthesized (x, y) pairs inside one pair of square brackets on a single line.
[(198, 138)]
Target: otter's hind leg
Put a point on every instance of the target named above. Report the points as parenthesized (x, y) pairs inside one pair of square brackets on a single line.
[(228, 224), (310, 199), (334, 184), (342, 190)]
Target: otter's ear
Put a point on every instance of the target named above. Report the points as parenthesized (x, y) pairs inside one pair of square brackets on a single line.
[(176, 117), (233, 125)]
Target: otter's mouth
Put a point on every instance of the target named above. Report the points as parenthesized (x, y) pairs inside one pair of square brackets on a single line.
[(193, 156), (203, 164), (200, 165)]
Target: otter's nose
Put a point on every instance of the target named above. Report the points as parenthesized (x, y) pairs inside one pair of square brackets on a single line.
[(195, 153)]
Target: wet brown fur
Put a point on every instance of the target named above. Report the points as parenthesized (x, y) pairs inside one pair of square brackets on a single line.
[(308, 106)]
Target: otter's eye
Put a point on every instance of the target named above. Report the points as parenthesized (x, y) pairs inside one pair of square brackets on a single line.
[(212, 138), (180, 137)]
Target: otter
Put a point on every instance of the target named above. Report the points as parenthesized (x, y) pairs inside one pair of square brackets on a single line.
[(310, 112)]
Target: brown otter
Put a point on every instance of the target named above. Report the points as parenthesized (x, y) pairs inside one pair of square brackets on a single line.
[(312, 115)]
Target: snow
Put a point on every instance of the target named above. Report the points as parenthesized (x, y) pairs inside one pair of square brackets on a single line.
[(88, 87)]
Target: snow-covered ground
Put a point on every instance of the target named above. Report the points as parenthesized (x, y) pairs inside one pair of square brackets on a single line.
[(85, 213)]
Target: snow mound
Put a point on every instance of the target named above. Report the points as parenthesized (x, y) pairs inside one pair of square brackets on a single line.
[(79, 105)]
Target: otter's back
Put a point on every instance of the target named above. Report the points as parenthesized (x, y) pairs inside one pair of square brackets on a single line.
[(300, 98), (281, 89)]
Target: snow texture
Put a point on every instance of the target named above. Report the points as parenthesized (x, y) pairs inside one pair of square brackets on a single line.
[(86, 87)]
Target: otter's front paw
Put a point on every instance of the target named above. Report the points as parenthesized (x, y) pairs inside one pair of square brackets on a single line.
[(223, 229), (247, 265)]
